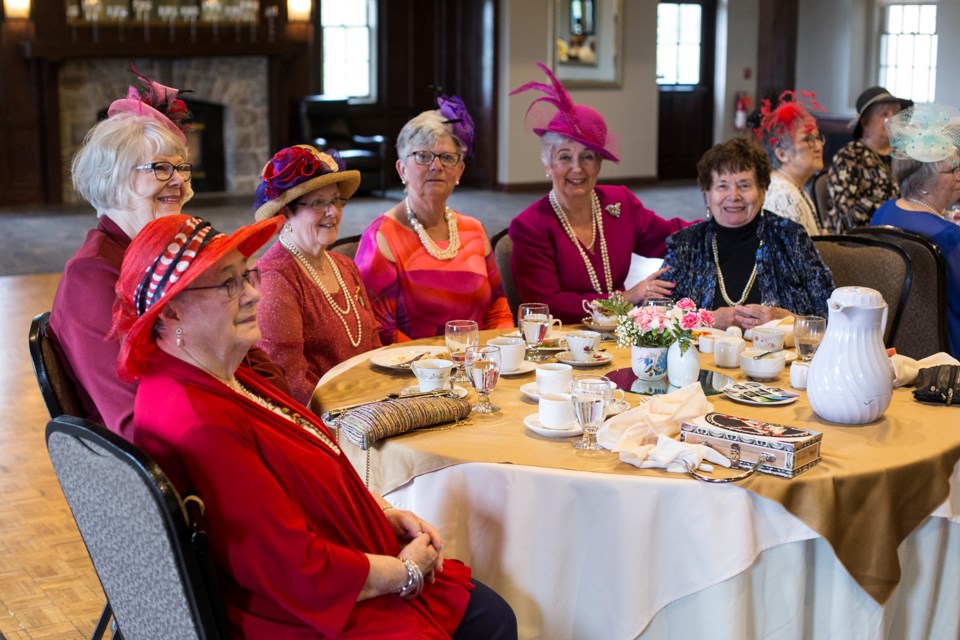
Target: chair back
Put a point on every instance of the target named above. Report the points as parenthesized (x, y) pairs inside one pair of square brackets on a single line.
[(866, 262), (502, 249), (923, 326), (818, 188), (56, 386), (148, 558), (346, 246)]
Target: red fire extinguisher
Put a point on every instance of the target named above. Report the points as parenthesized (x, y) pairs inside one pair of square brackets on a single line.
[(742, 106)]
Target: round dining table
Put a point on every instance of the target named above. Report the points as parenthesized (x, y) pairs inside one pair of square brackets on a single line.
[(864, 544)]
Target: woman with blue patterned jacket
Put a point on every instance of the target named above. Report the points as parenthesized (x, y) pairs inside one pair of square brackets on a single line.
[(748, 265)]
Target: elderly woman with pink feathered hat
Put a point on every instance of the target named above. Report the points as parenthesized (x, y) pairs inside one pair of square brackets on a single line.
[(576, 243)]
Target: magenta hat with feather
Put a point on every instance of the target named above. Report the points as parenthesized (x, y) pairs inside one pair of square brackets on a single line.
[(156, 101), (577, 122)]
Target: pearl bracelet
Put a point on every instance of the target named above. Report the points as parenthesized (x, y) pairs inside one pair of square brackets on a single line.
[(414, 584)]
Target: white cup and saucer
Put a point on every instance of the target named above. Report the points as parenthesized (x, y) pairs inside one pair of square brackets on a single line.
[(554, 417), (512, 351)]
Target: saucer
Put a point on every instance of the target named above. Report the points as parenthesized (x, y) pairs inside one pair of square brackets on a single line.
[(598, 359), (615, 406), (599, 326), (461, 392), (532, 422), (525, 367)]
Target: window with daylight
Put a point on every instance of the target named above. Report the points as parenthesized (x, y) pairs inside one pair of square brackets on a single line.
[(678, 43), (349, 48), (908, 51)]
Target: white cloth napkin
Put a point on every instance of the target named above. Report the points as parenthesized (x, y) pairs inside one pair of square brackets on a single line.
[(907, 369), (674, 456), (660, 415), (784, 324)]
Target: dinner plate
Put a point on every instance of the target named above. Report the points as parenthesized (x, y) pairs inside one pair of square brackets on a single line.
[(758, 395), (595, 326), (399, 359), (532, 422), (525, 367), (461, 392), (599, 359)]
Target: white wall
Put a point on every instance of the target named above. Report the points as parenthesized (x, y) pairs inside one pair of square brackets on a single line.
[(737, 40), (948, 27)]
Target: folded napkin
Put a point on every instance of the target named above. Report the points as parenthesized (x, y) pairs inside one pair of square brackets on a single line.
[(784, 324), (906, 369), (674, 456), (660, 415)]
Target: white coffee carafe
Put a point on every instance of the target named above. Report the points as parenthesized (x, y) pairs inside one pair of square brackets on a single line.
[(851, 377)]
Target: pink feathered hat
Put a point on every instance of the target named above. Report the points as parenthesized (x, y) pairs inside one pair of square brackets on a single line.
[(157, 101)]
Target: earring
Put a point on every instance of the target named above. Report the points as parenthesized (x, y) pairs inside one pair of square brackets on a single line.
[(458, 182), (709, 215), (288, 228), (924, 192), (402, 181), (180, 337)]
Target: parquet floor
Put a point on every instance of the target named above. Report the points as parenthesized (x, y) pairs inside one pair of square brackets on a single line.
[(48, 588)]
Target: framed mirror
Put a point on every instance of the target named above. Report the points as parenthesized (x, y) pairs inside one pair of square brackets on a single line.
[(586, 43)]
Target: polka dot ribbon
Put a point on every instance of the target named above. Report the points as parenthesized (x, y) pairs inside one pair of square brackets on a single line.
[(173, 262)]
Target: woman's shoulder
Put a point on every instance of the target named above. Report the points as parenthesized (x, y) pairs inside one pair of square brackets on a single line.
[(695, 231), (276, 258)]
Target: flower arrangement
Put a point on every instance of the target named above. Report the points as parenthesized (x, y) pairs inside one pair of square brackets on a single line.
[(661, 327)]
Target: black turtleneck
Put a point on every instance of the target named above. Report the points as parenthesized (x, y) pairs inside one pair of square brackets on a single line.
[(737, 248)]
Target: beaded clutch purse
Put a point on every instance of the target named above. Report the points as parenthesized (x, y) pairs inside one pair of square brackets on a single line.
[(367, 424)]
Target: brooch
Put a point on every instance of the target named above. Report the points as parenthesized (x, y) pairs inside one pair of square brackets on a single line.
[(613, 209)]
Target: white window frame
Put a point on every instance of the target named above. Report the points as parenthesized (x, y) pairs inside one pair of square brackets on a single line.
[(371, 26), (879, 31)]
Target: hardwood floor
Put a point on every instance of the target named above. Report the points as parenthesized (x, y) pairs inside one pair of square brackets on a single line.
[(48, 588)]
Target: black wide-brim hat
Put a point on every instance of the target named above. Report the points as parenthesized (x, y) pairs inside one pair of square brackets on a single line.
[(870, 97)]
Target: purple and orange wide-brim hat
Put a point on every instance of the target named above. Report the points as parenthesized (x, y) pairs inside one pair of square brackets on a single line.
[(166, 256), (297, 170)]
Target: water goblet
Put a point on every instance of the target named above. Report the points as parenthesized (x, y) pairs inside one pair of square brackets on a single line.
[(534, 321), (458, 335), (590, 395), (808, 333), (483, 369)]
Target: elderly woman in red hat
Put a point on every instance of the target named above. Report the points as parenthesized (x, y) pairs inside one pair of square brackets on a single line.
[(133, 167), (577, 242), (303, 548), (424, 263), (314, 309)]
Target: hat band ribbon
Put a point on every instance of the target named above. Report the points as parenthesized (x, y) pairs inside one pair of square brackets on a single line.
[(172, 263)]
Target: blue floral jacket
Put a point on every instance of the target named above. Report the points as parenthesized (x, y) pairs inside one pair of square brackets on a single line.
[(790, 272)]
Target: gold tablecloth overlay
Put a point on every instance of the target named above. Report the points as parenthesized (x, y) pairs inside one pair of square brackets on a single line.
[(874, 485)]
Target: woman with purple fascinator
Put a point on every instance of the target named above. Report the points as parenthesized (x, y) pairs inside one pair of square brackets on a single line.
[(423, 263), (576, 243)]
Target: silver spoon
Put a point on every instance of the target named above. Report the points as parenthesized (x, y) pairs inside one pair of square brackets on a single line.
[(766, 353)]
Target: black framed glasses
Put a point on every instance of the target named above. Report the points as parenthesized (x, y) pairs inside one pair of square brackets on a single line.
[(234, 286), (322, 205), (815, 138), (163, 171), (425, 158)]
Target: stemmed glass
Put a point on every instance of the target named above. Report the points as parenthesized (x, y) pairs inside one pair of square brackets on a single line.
[(483, 369), (460, 335), (534, 321), (808, 333), (590, 395)]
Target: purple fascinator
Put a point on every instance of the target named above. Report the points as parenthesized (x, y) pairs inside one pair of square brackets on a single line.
[(157, 101), (457, 116), (578, 122)]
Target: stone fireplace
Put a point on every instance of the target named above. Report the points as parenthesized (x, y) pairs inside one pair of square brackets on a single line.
[(238, 83)]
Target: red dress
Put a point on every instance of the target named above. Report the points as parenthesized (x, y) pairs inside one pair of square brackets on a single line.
[(289, 520)]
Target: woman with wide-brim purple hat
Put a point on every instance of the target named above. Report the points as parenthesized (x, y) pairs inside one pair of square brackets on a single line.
[(576, 243)]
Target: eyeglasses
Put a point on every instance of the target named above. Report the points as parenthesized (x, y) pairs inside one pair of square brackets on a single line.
[(425, 158), (814, 138), (955, 170), (164, 170), (234, 286), (322, 205)]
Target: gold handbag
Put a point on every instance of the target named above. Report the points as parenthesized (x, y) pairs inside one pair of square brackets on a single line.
[(367, 424)]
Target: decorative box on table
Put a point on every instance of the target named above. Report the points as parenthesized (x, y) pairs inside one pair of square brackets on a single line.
[(794, 450)]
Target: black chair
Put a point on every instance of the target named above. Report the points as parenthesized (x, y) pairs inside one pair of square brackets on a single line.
[(866, 262), (502, 249), (325, 122), (923, 327), (152, 560), (57, 388), (346, 246), (818, 193)]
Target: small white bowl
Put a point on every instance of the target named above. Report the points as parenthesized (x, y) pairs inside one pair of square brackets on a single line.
[(763, 369)]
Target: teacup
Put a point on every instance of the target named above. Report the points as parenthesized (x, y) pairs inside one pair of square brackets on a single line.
[(512, 351), (768, 338), (764, 368), (556, 410), (432, 373), (582, 344), (706, 343), (726, 351), (554, 377), (597, 316)]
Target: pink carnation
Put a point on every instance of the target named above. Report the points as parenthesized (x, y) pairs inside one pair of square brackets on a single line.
[(690, 320), (686, 304), (706, 317)]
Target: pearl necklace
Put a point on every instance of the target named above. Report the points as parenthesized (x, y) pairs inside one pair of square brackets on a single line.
[(432, 248), (341, 313), (921, 203), (597, 221), (723, 286), (289, 415)]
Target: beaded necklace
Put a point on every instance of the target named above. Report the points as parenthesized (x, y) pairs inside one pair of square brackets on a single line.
[(723, 287), (597, 222), (289, 415), (341, 313), (432, 248), (921, 203)]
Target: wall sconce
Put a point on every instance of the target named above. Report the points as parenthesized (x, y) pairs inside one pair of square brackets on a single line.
[(297, 10), (16, 9)]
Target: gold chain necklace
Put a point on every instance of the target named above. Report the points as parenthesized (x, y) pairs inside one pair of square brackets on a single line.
[(341, 313), (597, 220), (432, 248), (292, 416), (921, 203), (723, 286)]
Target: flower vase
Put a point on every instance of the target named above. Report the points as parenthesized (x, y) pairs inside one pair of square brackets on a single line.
[(648, 363), (683, 368)]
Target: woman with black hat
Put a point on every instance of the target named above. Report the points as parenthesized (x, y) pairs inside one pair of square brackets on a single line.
[(860, 180)]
